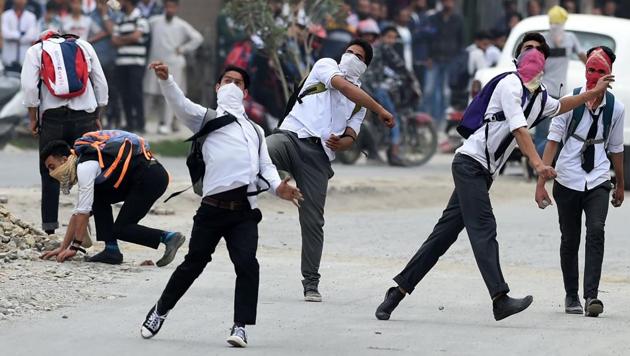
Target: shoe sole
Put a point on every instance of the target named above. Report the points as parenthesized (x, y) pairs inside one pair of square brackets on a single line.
[(313, 299), (594, 310), (528, 302), (236, 341), (168, 258)]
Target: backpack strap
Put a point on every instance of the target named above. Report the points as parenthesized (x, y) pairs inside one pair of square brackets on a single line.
[(576, 116), (209, 124), (608, 114), (316, 88)]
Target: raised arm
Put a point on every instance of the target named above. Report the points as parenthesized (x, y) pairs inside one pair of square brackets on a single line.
[(569, 103), (358, 96), (190, 113)]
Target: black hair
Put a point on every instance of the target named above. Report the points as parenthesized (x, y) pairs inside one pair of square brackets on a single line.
[(609, 52), (239, 70), (482, 35), (534, 36), (173, 1), (52, 6), (387, 29), (367, 48), (57, 148)]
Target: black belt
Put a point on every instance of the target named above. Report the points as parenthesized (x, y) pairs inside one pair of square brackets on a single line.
[(313, 140), (226, 204)]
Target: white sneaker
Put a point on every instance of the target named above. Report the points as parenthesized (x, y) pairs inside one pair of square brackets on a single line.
[(312, 296), (238, 337), (164, 130)]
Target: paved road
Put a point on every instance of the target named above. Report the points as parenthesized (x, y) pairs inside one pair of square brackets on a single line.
[(449, 313)]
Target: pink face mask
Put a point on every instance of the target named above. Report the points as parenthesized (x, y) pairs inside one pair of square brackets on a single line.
[(597, 65), (530, 66)]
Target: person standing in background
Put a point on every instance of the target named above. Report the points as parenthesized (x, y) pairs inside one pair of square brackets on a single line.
[(88, 6), (19, 31), (50, 20), (563, 45), (77, 23), (172, 39), (446, 45), (534, 8), (421, 33), (101, 29), (131, 36), (403, 20)]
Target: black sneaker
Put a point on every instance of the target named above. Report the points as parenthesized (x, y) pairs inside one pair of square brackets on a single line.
[(594, 307), (312, 295), (238, 337), (505, 306), (572, 305), (152, 323), (393, 296), (171, 249), (107, 256)]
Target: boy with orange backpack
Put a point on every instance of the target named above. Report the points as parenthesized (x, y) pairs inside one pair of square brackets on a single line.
[(110, 166)]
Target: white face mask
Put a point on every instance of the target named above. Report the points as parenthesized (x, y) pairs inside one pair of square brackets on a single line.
[(230, 99), (352, 67)]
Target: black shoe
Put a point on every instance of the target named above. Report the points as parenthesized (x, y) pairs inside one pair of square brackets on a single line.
[(505, 306), (594, 307), (49, 232), (572, 305), (238, 337), (312, 295), (393, 296), (171, 249), (152, 323), (107, 256), (396, 161)]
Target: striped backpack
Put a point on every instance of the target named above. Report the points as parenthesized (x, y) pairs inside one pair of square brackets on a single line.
[(65, 69), (119, 147)]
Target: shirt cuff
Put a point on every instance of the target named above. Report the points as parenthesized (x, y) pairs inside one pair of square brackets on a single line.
[(517, 122), (615, 149)]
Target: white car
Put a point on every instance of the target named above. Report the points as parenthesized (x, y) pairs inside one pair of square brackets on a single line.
[(591, 31)]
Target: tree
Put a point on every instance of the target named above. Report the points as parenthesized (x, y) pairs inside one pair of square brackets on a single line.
[(277, 32)]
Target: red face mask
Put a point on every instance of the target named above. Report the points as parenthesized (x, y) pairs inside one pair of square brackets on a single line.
[(597, 65)]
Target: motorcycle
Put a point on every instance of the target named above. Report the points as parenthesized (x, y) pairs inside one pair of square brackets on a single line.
[(13, 111), (417, 130)]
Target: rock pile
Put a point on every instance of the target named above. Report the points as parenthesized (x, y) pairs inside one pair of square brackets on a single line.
[(19, 240)]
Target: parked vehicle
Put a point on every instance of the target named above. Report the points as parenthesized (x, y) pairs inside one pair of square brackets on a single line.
[(591, 30), (12, 110)]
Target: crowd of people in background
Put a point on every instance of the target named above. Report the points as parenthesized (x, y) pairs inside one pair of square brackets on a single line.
[(125, 35), (431, 39)]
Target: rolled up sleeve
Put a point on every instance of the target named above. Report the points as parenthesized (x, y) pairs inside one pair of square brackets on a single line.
[(324, 70), (356, 120), (558, 127), (615, 141), (30, 77), (97, 76), (511, 92)]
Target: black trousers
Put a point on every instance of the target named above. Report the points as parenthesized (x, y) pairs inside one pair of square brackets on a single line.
[(571, 204), (113, 104), (144, 186), (130, 88), (469, 207), (66, 125), (240, 230)]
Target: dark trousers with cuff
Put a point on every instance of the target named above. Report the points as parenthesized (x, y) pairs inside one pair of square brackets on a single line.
[(240, 230), (571, 204), (66, 125), (469, 207), (140, 190), (306, 161)]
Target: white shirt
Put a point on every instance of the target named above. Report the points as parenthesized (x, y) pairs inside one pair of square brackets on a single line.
[(507, 98), (476, 59), (405, 38), (323, 114), (233, 154), (493, 54), (18, 35), (569, 164), (79, 27), (86, 174), (95, 94)]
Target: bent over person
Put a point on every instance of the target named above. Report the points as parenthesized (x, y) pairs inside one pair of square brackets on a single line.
[(109, 167), (517, 103), (237, 168), (592, 137), (325, 119)]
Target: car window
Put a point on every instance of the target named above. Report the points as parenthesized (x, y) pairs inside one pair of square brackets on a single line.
[(587, 40)]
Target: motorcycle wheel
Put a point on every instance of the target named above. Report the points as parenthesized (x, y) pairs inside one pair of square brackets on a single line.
[(419, 143)]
